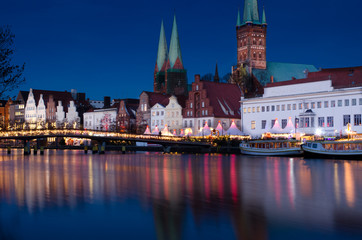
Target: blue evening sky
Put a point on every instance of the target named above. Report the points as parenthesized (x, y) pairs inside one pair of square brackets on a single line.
[(109, 47)]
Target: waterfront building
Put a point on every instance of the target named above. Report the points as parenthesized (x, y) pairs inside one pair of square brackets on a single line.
[(41, 110), (101, 119), (324, 102), (147, 101), (3, 114), (170, 76), (17, 110), (158, 116), (251, 32), (211, 102), (126, 119)]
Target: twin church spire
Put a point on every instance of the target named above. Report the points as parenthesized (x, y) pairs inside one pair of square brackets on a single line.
[(172, 58), (170, 76)]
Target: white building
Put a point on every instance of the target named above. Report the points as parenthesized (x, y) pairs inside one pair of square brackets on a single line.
[(324, 103), (173, 115), (101, 119), (41, 110), (30, 108), (60, 114), (158, 116), (72, 114)]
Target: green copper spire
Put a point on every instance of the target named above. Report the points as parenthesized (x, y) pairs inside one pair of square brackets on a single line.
[(162, 49), (263, 21), (255, 12), (251, 13), (247, 12), (238, 23), (175, 50)]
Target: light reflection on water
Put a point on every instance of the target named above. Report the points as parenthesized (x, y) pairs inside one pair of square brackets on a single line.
[(148, 195)]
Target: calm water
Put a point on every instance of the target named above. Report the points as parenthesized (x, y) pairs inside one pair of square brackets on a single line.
[(69, 195)]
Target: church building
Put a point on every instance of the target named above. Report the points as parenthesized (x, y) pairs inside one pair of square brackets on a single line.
[(170, 77)]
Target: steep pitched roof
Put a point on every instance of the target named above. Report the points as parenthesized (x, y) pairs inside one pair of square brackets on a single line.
[(282, 72), (160, 98), (224, 98), (175, 50), (251, 12), (65, 97), (340, 77), (131, 106), (162, 50)]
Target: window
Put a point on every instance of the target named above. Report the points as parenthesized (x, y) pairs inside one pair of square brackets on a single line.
[(252, 125), (273, 108), (263, 124), (346, 119), (289, 107), (326, 104), (185, 125), (244, 110), (258, 109), (162, 113), (320, 121), (284, 123), (339, 103), (294, 106), (296, 122), (253, 109), (259, 55), (197, 87), (306, 105), (249, 110), (306, 122), (188, 113), (209, 122), (346, 102), (333, 103), (278, 107), (190, 105), (312, 122), (203, 104), (157, 113), (360, 101), (357, 120), (330, 122), (354, 102), (263, 109), (312, 105), (302, 122), (319, 104), (272, 123), (267, 108), (300, 106), (190, 123), (205, 112)]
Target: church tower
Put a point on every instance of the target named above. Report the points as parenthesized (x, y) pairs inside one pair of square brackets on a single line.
[(160, 68), (251, 36), (176, 75)]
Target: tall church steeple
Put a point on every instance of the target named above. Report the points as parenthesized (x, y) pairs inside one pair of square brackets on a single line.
[(160, 68), (251, 37), (175, 50), (216, 76)]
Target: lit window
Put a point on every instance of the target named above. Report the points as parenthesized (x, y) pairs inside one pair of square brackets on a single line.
[(253, 109), (249, 110), (253, 125), (258, 109)]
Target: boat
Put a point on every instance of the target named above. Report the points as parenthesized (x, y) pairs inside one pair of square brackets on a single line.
[(333, 149), (271, 148)]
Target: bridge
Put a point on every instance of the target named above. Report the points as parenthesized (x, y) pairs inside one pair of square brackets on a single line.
[(100, 137)]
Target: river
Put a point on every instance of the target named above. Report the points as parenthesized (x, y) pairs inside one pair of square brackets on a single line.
[(71, 195)]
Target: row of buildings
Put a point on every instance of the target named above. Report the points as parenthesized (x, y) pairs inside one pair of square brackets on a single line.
[(261, 96)]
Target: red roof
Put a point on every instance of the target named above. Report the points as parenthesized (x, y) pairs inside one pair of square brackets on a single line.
[(65, 97), (341, 77), (160, 98), (223, 95)]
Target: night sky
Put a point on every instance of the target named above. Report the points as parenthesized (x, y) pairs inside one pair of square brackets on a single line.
[(109, 47)]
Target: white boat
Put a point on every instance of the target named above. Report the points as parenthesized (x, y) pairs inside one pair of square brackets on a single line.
[(333, 149), (271, 148)]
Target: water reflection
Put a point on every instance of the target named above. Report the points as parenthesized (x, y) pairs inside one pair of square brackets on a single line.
[(187, 196)]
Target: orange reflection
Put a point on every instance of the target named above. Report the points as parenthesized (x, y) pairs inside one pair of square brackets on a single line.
[(349, 184)]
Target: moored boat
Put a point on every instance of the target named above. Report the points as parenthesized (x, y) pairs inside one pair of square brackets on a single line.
[(333, 149), (271, 148)]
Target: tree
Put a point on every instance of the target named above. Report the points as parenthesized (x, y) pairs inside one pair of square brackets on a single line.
[(11, 76), (226, 78), (207, 77)]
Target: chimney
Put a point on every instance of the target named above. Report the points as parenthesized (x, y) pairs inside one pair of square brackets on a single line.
[(197, 78), (107, 102)]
